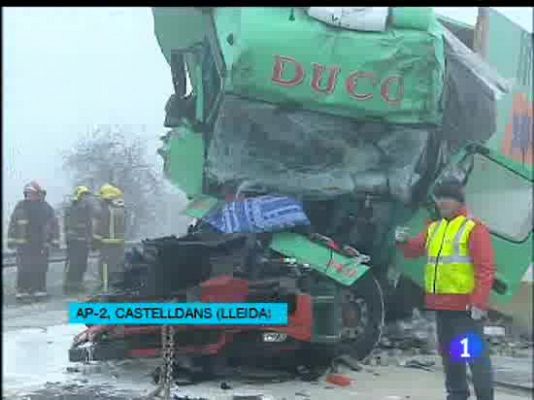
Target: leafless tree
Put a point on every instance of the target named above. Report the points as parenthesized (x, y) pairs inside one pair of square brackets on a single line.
[(118, 156)]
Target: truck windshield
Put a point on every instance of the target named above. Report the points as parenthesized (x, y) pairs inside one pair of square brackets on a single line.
[(312, 154)]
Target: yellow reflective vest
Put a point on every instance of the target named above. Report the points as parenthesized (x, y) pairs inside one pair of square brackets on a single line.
[(449, 268), (111, 224)]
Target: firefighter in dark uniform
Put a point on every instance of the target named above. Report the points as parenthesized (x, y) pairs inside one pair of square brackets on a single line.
[(33, 229), (110, 232), (78, 225)]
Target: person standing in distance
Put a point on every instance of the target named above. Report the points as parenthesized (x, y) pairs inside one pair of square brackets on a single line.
[(458, 278), (110, 231), (79, 218), (33, 229)]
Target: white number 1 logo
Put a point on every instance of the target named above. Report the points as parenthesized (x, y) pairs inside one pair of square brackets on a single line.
[(465, 343)]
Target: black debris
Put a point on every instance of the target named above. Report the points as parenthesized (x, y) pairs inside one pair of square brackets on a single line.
[(183, 397), (247, 397), (419, 364)]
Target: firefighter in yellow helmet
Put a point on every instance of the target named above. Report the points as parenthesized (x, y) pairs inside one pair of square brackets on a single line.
[(33, 229), (110, 232), (78, 225)]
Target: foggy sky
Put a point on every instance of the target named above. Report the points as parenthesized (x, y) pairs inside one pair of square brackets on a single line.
[(67, 69)]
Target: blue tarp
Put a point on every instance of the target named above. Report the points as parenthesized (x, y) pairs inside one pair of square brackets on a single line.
[(259, 214)]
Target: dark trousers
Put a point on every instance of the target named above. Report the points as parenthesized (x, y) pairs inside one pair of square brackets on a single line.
[(450, 326), (76, 265), (109, 262), (32, 266)]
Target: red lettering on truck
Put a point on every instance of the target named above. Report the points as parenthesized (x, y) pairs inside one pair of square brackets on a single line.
[(288, 72), (318, 71), (352, 84), (280, 67), (386, 90)]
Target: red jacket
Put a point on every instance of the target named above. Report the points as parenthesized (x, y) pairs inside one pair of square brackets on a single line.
[(481, 252)]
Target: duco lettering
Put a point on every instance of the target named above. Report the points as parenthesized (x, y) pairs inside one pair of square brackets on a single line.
[(289, 73)]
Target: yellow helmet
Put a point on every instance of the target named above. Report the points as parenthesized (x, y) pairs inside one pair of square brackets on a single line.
[(79, 191), (110, 192)]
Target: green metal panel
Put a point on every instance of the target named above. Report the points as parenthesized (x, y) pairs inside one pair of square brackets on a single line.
[(228, 28), (418, 18), (342, 269), (178, 28), (184, 159), (252, 38)]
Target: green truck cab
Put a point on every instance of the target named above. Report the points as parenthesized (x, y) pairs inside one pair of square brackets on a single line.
[(246, 67)]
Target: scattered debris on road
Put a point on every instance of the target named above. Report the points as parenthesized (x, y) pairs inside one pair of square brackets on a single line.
[(338, 379), (248, 397), (179, 397), (418, 364)]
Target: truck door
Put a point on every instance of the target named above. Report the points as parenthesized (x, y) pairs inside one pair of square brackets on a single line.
[(499, 193)]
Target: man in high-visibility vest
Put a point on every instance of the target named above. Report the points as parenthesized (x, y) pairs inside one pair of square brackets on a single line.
[(79, 217), (458, 280), (110, 233), (33, 229)]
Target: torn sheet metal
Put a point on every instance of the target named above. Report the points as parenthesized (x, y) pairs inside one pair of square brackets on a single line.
[(481, 70), (472, 89), (342, 269)]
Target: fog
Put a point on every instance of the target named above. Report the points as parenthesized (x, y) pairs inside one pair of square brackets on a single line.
[(68, 69)]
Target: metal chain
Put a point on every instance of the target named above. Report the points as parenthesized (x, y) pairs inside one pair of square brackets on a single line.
[(168, 359), (165, 377)]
